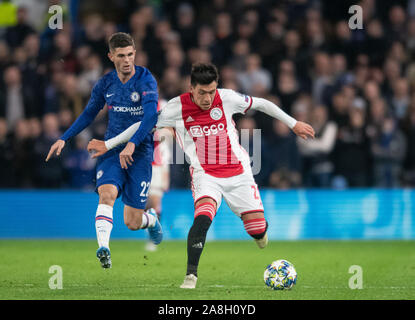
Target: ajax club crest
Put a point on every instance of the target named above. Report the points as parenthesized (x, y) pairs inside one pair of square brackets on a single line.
[(216, 113)]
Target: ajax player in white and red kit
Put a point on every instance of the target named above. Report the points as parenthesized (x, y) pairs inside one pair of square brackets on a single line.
[(220, 167)]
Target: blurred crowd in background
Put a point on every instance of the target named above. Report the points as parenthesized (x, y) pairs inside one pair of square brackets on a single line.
[(355, 87)]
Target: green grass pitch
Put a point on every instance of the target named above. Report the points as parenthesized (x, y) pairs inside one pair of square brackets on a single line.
[(229, 270)]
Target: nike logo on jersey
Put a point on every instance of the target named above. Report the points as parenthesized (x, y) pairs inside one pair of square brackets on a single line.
[(109, 95)]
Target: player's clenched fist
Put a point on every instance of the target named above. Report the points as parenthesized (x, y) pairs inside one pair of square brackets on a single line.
[(303, 130), (126, 156), (56, 147), (98, 147)]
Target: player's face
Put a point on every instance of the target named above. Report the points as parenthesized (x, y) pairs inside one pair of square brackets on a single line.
[(203, 94), (123, 59)]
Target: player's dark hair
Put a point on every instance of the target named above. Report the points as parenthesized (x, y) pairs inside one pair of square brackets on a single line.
[(120, 40), (203, 73)]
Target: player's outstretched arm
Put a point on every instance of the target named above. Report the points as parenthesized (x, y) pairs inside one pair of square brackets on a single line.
[(55, 148), (95, 104), (100, 147), (300, 128)]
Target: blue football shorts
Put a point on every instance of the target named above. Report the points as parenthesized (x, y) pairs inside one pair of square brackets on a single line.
[(132, 183)]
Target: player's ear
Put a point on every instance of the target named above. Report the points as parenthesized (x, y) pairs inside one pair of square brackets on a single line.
[(110, 56)]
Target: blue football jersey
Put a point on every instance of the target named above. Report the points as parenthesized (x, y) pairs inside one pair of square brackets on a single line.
[(128, 103)]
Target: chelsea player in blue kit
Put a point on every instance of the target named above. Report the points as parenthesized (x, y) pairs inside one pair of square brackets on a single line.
[(130, 92)]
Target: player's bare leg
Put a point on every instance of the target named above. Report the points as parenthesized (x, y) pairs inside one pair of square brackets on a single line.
[(205, 210), (103, 222), (136, 219), (256, 226)]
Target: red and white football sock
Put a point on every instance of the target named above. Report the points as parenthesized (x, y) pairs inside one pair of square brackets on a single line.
[(207, 209), (256, 228)]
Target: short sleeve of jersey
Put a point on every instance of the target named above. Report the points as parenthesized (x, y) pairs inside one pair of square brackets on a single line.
[(170, 114), (237, 102)]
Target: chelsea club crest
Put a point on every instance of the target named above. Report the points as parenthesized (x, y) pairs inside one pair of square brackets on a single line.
[(135, 96)]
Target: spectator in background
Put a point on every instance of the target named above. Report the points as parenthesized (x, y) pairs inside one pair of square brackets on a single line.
[(315, 37), (170, 83), (6, 156), (64, 53), (186, 25), (376, 44), (240, 52), (70, 97), (90, 73), (400, 98), (247, 27), (351, 155), (410, 38), (4, 57), (294, 50), (377, 114), (318, 167), (342, 42), (228, 78), (23, 156), (16, 34), (206, 41), (79, 165), (175, 59), (282, 159), (94, 37), (392, 71), (388, 150), (223, 33), (52, 92), (321, 75), (271, 42), (287, 87), (396, 28), (18, 99), (408, 128), (255, 80), (339, 111), (52, 175), (371, 91), (398, 53)]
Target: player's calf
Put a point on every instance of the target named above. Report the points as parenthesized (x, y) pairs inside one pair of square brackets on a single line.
[(257, 229), (196, 238)]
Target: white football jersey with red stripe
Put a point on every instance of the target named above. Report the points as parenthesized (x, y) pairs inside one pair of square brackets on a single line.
[(209, 137), (161, 150)]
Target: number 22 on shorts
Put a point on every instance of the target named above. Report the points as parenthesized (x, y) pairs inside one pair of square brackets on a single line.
[(146, 187)]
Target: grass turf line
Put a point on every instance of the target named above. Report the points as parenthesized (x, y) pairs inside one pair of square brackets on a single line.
[(229, 270)]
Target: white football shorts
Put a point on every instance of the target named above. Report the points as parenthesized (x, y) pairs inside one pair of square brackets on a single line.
[(240, 192)]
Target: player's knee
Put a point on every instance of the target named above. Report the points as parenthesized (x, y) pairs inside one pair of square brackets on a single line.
[(205, 207), (107, 197), (256, 228)]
